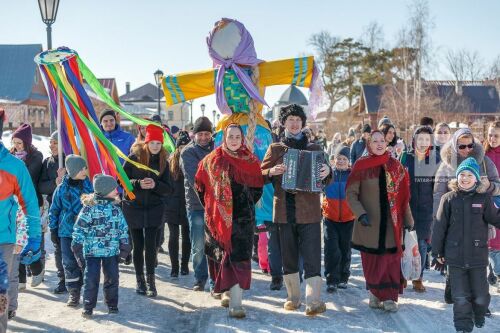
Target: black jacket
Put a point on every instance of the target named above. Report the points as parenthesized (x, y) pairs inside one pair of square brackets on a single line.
[(461, 230), (33, 162), (175, 204), (244, 199), (146, 210), (48, 175), (422, 189)]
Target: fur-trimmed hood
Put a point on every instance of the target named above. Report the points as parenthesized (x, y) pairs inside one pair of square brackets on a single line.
[(453, 159), (92, 199), (481, 188)]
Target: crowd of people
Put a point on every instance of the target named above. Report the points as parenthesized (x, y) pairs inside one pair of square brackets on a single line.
[(443, 185)]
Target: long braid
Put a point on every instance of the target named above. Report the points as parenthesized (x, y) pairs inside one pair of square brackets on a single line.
[(254, 109)]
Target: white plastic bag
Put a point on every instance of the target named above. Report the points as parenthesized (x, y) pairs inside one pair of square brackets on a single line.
[(410, 262)]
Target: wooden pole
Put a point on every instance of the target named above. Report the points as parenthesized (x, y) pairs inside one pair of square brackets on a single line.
[(59, 134)]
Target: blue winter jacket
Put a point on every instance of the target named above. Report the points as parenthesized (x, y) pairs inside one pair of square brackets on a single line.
[(100, 228), (15, 181), (121, 139), (66, 204), (4, 276)]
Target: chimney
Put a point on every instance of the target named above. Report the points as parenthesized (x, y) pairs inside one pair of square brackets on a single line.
[(127, 87), (458, 88)]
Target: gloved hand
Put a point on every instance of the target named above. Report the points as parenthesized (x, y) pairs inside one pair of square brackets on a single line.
[(409, 227), (33, 245), (124, 252), (363, 219), (438, 266), (54, 236), (78, 252)]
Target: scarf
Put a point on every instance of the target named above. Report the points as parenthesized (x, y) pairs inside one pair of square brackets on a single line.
[(297, 136), (213, 179), (21, 155), (244, 55), (398, 186)]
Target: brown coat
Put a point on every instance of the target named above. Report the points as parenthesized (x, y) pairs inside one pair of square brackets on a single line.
[(364, 198), (307, 205)]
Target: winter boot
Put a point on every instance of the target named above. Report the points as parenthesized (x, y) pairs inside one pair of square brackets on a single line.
[(150, 285), (498, 287), (374, 302), (184, 268), (87, 314), (36, 280), (292, 284), (418, 286), (276, 283), (128, 259), (174, 272), (492, 278), (61, 287), (226, 297), (314, 305), (331, 287), (390, 306), (141, 284), (235, 308), (74, 298)]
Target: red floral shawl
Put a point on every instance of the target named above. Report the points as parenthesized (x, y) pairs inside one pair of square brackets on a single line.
[(398, 186), (213, 179)]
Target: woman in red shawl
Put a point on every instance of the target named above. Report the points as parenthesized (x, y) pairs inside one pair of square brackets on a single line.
[(378, 192), (229, 183)]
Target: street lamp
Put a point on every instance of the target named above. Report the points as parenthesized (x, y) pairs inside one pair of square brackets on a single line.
[(48, 11), (214, 113), (158, 76), (202, 107), (218, 117)]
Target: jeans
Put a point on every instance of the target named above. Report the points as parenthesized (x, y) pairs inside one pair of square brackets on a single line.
[(91, 281), (301, 240), (196, 220), (422, 248), (337, 238), (72, 272), (495, 261), (7, 251)]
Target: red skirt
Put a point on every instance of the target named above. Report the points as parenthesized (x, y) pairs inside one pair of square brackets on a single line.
[(227, 274), (383, 275)]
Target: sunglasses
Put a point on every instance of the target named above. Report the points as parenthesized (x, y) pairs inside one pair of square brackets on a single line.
[(470, 146)]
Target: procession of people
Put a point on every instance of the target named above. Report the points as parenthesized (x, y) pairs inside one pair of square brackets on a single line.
[(442, 185)]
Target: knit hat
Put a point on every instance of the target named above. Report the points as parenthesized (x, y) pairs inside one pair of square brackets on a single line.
[(469, 164), (107, 113), (24, 133), (74, 164), (54, 136), (351, 133), (384, 121), (366, 128), (342, 150), (154, 133), (292, 110), (104, 184), (202, 124), (182, 139), (156, 118), (174, 129)]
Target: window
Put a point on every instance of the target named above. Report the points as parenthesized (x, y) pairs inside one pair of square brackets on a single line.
[(170, 115)]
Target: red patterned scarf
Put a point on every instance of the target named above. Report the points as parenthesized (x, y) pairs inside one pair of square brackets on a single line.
[(398, 186), (213, 178)]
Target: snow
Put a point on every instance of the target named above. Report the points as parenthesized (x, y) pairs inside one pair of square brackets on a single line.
[(179, 309)]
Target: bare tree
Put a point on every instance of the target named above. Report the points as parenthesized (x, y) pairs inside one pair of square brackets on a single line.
[(373, 36), (465, 65)]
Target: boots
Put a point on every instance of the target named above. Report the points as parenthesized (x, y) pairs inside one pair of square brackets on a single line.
[(150, 285), (314, 305), (418, 286), (141, 284), (292, 284), (276, 283), (390, 306), (447, 291), (235, 308), (74, 298), (374, 302), (226, 298), (184, 268), (61, 287)]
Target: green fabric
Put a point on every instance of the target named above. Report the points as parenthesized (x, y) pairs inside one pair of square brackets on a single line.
[(237, 97)]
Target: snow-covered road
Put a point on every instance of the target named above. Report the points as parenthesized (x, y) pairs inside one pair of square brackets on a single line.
[(178, 309)]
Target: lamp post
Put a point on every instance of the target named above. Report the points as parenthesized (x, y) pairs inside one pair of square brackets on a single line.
[(218, 117), (191, 112), (48, 11), (214, 113), (202, 107), (158, 76)]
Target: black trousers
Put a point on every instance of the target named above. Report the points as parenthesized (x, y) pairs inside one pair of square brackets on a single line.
[(144, 240), (470, 293), (160, 236), (173, 244), (337, 239), (301, 240)]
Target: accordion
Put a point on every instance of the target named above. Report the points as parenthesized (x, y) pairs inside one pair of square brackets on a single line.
[(303, 169)]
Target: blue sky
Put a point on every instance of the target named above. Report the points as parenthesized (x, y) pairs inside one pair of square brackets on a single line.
[(129, 39)]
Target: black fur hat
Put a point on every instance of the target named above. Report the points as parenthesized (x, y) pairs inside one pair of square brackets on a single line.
[(202, 124), (292, 110)]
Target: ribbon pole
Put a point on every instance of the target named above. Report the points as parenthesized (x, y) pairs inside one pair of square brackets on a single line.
[(59, 127)]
